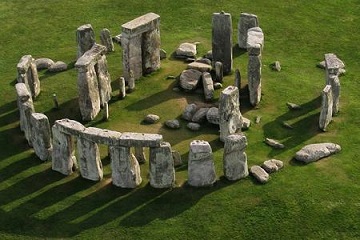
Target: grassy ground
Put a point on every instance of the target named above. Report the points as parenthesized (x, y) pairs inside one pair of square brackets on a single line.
[(316, 201)]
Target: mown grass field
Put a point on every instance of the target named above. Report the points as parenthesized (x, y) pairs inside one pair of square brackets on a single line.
[(315, 201)]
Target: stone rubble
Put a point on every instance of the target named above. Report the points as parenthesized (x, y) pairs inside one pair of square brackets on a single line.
[(272, 165), (274, 143), (260, 174), (85, 38)]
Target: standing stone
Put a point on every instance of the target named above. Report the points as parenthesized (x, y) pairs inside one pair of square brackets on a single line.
[(201, 168), (139, 154), (229, 112), (208, 86), (212, 115), (89, 160), (254, 79), (151, 51), (162, 172), (246, 22), (23, 96), (334, 81), (106, 40), (56, 102), (314, 152), (255, 41), (27, 73), (63, 159), (222, 40), (27, 109), (122, 88), (125, 168), (85, 38), (235, 159), (176, 158), (260, 174), (219, 73), (104, 80), (326, 108), (106, 111), (237, 82), (41, 136)]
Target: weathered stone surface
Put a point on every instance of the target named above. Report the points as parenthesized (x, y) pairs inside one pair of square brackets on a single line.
[(27, 73), (176, 158), (43, 63), (189, 111), (58, 66), (245, 123), (162, 172), (209, 55), (63, 159), (246, 22), (193, 126), (260, 174), (41, 136), (90, 57), (219, 72), (254, 79), (255, 41), (218, 85), (151, 51), (117, 39), (189, 79), (163, 54), (22, 92), (151, 118), (276, 66), (24, 102), (257, 119), (314, 152), (144, 23), (140, 155), (70, 127), (131, 139), (89, 160), (321, 65), (186, 50), (237, 81), (85, 38), (334, 81), (202, 67), (106, 40), (173, 124), (200, 115), (26, 110), (201, 168), (213, 116), (104, 80), (106, 111), (204, 60), (234, 158), (293, 106), (274, 143), (326, 108), (332, 65), (125, 169), (222, 40), (122, 88), (229, 112), (272, 165), (208, 86), (101, 136)]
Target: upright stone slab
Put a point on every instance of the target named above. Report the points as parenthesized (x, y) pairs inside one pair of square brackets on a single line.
[(334, 81), (85, 38), (125, 169), (255, 41), (122, 88), (237, 81), (219, 72), (326, 108), (63, 159), (139, 154), (254, 79), (23, 96), (106, 40), (201, 168), (162, 172), (41, 136), (235, 159), (222, 40), (229, 111), (208, 86), (27, 109), (89, 159), (246, 21), (104, 80), (141, 45), (27, 73)]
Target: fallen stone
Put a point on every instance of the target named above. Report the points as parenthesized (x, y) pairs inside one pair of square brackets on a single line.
[(286, 125), (218, 85), (173, 124), (255, 41), (186, 50), (260, 174), (200, 115), (162, 54), (208, 86), (189, 79), (276, 66), (189, 111), (43, 63), (58, 66), (274, 143), (193, 126), (321, 65), (213, 116), (202, 67), (245, 123), (209, 55), (314, 152), (272, 165), (151, 118), (204, 60), (293, 106)]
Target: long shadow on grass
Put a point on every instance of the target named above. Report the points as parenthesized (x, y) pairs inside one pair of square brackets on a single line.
[(303, 129), (69, 109)]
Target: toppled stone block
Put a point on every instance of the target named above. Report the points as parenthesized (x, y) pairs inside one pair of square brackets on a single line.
[(58, 66), (43, 63), (193, 126), (130, 139), (202, 67), (186, 50), (173, 124), (213, 116), (189, 79), (189, 111), (70, 127), (255, 41), (200, 115), (102, 136), (314, 152), (234, 158), (272, 165), (41, 136), (274, 143), (89, 160), (246, 22), (326, 108), (151, 118), (208, 86), (260, 174)]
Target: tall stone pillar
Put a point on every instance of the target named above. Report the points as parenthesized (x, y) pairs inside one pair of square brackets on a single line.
[(139, 154), (124, 167), (229, 112), (334, 81), (23, 96), (162, 172), (89, 159), (235, 159), (104, 80), (326, 108), (27, 73), (151, 50), (222, 40), (201, 168), (106, 40), (246, 22), (41, 136), (85, 38), (332, 68)]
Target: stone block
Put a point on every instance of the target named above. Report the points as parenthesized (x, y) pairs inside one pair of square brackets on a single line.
[(89, 160), (326, 108), (208, 86), (254, 79), (246, 22), (255, 41), (85, 38), (131, 139), (41, 136), (234, 158)]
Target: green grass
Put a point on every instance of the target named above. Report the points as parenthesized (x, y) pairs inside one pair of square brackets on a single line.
[(316, 201)]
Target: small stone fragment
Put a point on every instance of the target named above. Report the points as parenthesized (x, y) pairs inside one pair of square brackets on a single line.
[(274, 143), (260, 174), (173, 124), (293, 106), (245, 124), (193, 126), (272, 165), (151, 118), (257, 119), (43, 63), (186, 50)]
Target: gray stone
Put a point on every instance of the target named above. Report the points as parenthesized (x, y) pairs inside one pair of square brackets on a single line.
[(208, 86), (246, 22), (70, 127), (22, 92), (257, 119), (173, 124), (293, 106), (200, 115), (219, 73), (140, 155), (106, 111), (326, 108), (102, 136), (43, 63), (104, 80), (89, 160), (202, 67), (151, 118), (321, 65), (229, 112), (125, 169), (117, 39), (276, 66), (332, 65), (234, 158), (245, 123), (217, 85), (41, 136), (334, 81), (162, 172), (189, 111), (122, 88), (90, 57), (106, 40), (204, 60), (254, 79), (131, 139), (287, 125), (27, 73), (186, 50), (85, 38), (237, 82), (193, 126), (26, 110), (255, 41), (189, 79), (163, 54), (314, 152), (176, 158), (131, 81), (222, 40), (272, 165), (260, 174), (274, 143), (201, 168), (213, 116), (58, 66)]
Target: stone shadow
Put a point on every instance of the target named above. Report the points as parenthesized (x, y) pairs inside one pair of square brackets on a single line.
[(69, 109), (237, 52)]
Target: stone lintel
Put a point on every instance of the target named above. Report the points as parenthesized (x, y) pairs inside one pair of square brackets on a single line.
[(24, 63), (235, 142), (70, 127), (91, 56), (102, 136), (130, 139), (22, 92), (200, 146), (255, 41), (141, 24), (331, 61)]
